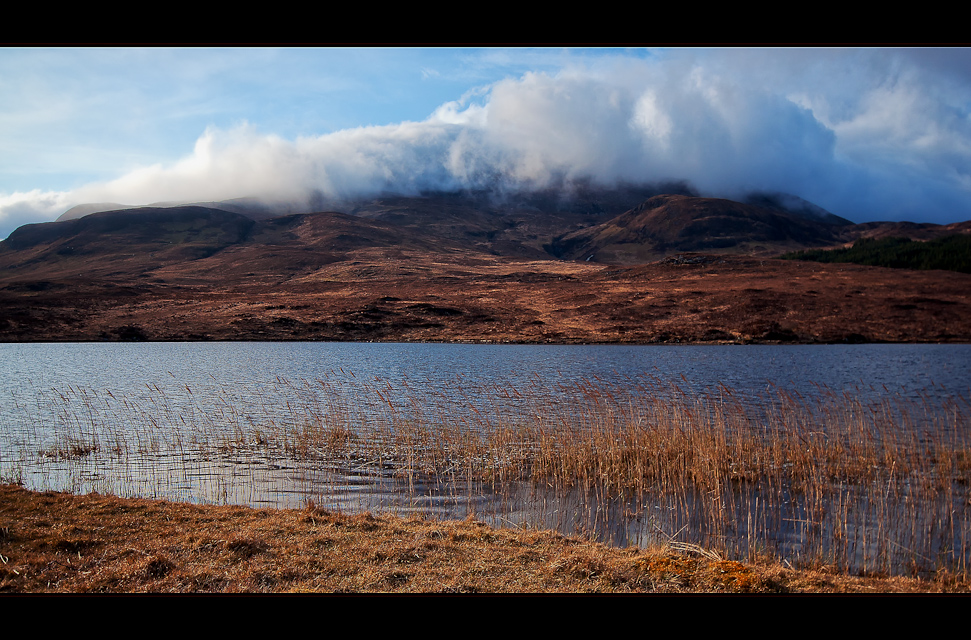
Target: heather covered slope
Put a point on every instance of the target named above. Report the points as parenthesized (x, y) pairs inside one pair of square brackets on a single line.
[(395, 295), (133, 243), (119, 244), (193, 243), (448, 267), (668, 224)]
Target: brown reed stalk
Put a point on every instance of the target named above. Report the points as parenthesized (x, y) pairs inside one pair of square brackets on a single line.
[(829, 463)]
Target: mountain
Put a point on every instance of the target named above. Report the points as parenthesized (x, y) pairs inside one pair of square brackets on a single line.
[(668, 224), (196, 242), (122, 243), (920, 231), (229, 239), (273, 239), (82, 210), (630, 265), (793, 204), (249, 207)]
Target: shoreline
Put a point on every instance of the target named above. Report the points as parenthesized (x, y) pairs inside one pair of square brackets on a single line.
[(702, 343), (693, 461), (55, 542)]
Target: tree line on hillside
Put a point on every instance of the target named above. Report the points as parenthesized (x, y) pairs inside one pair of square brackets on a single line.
[(951, 253)]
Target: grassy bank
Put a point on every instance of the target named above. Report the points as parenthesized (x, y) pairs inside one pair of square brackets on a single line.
[(58, 542)]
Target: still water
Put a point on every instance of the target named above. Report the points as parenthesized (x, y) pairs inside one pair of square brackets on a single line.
[(199, 390), (867, 370)]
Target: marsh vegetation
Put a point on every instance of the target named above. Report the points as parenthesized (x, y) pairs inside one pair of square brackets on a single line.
[(823, 480)]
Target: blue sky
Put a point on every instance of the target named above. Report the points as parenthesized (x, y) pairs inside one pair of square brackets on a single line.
[(870, 134)]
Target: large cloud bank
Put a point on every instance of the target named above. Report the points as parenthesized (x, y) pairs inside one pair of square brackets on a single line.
[(867, 134)]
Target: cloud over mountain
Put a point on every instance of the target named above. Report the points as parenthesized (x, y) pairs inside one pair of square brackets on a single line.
[(867, 134)]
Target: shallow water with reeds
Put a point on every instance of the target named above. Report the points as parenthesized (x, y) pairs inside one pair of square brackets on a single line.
[(856, 456)]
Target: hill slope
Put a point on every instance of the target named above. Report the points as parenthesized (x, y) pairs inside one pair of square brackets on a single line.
[(668, 224), (466, 267)]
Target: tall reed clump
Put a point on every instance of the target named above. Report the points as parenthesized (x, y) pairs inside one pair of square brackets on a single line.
[(821, 479)]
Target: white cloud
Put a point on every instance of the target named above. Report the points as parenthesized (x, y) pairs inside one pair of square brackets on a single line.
[(867, 134), (20, 208)]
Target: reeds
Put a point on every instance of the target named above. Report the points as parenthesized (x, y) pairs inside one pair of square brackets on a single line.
[(826, 479)]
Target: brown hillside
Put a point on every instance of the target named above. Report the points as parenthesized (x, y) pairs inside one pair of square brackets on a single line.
[(446, 268), (668, 224), (395, 295), (912, 230)]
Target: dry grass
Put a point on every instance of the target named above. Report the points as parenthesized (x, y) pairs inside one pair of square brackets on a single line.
[(59, 542), (828, 482)]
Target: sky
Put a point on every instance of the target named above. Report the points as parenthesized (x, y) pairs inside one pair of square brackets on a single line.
[(868, 134)]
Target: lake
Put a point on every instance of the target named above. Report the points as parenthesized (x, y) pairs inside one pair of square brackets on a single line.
[(214, 422)]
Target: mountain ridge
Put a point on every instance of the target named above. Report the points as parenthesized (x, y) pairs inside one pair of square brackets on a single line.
[(671, 223), (595, 227), (470, 268)]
